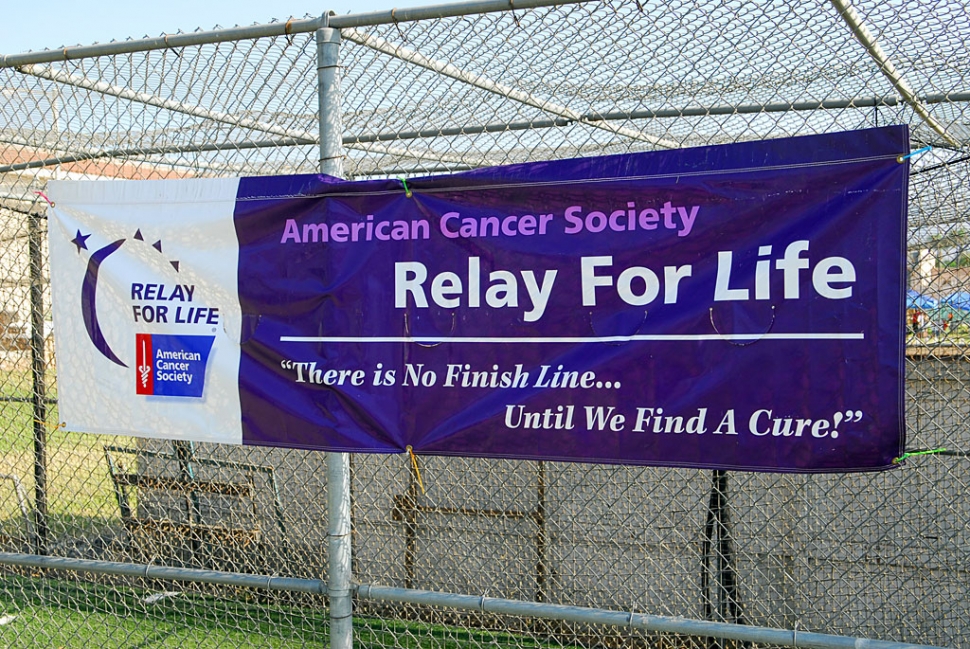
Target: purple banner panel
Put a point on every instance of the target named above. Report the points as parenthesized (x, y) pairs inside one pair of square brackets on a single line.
[(736, 306)]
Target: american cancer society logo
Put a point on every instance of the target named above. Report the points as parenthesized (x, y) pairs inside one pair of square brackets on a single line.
[(166, 364), (171, 366)]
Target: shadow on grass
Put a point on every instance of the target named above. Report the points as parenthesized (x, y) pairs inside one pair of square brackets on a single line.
[(87, 537)]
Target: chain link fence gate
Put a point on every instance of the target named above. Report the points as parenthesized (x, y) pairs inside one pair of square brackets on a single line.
[(880, 555)]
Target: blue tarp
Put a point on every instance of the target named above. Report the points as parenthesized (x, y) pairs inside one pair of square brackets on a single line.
[(957, 301), (915, 300)]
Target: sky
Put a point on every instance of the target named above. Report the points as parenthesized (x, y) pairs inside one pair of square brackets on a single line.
[(58, 23)]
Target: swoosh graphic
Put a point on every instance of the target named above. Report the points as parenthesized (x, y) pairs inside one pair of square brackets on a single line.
[(89, 291)]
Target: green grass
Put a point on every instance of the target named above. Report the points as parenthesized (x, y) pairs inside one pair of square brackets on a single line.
[(55, 613), (60, 613), (80, 494)]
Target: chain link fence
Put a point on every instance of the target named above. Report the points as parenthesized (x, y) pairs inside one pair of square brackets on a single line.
[(883, 555)]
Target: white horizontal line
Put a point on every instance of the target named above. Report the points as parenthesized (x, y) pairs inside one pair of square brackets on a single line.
[(572, 339)]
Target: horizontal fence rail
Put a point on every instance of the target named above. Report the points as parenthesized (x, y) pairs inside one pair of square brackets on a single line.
[(289, 28), (701, 628)]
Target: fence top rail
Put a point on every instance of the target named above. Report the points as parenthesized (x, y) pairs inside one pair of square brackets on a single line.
[(268, 30)]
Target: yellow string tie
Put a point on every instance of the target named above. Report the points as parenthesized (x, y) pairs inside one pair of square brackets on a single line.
[(417, 469), (63, 424)]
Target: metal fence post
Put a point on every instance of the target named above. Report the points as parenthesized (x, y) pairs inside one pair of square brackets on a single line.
[(328, 80), (39, 388), (340, 568)]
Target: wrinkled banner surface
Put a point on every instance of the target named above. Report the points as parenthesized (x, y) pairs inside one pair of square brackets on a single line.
[(736, 306)]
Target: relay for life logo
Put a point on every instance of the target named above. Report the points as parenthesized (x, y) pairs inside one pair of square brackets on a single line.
[(166, 364)]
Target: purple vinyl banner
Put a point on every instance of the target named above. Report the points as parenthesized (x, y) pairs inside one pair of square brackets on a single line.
[(737, 306)]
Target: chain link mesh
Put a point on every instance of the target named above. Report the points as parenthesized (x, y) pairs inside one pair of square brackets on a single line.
[(881, 555)]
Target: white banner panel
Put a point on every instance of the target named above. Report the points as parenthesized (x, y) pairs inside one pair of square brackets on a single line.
[(146, 313)]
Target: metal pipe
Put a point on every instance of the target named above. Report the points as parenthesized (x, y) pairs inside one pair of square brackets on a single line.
[(48, 401), (103, 88), (269, 30), (542, 539), (147, 571), (718, 546), (328, 98), (278, 509), (868, 41), (39, 388), (409, 510), (486, 84), (782, 107), (501, 127), (638, 621), (448, 10), (339, 559), (430, 155), (148, 151), (385, 172), (164, 42), (21, 493), (368, 147), (14, 203), (184, 454), (646, 113)]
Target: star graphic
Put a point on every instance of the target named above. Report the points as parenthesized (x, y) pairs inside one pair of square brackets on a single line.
[(81, 241)]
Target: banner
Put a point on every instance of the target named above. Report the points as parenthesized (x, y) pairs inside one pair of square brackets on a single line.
[(737, 306)]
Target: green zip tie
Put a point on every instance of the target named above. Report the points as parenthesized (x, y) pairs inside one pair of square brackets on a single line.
[(407, 190), (904, 456)]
